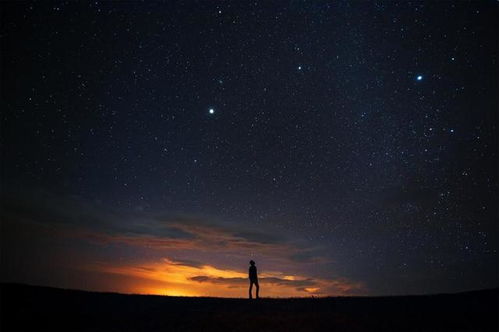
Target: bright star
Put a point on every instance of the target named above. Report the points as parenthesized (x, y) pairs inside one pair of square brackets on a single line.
[(211, 110), (299, 67), (419, 78)]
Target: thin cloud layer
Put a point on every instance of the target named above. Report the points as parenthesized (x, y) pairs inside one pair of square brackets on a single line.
[(180, 278), (175, 255)]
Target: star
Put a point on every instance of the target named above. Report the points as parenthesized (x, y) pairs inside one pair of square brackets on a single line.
[(357, 123)]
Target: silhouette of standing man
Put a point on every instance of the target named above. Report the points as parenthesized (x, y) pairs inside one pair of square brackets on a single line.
[(253, 278)]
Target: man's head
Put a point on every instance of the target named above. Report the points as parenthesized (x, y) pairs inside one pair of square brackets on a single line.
[(252, 263)]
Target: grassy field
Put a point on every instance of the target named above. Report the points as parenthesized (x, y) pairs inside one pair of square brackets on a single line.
[(32, 308)]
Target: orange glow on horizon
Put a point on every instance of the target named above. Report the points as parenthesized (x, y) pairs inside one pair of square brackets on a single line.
[(171, 278)]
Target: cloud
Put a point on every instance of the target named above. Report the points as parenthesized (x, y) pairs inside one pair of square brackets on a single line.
[(211, 280), (264, 280), (260, 237), (83, 219), (308, 289), (219, 280), (149, 269), (184, 262), (295, 285), (190, 255)]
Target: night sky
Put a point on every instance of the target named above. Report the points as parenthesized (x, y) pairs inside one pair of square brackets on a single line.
[(349, 148)]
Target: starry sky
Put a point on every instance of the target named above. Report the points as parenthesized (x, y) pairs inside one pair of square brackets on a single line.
[(348, 147)]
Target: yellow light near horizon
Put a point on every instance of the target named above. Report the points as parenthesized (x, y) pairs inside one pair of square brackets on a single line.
[(165, 277), (177, 293), (312, 289), (163, 291)]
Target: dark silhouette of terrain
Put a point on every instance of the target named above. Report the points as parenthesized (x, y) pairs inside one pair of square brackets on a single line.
[(25, 308)]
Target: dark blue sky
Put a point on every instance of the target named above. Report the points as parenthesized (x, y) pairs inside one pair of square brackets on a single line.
[(359, 137)]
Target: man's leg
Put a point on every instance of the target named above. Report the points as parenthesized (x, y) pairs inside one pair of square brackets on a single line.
[(250, 288)]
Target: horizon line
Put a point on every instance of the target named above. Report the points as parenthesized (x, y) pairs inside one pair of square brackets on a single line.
[(3, 283)]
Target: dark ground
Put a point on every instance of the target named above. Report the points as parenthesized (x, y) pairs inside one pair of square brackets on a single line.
[(40, 308)]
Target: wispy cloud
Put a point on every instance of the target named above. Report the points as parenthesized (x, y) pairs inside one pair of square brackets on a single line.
[(188, 255), (213, 281)]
